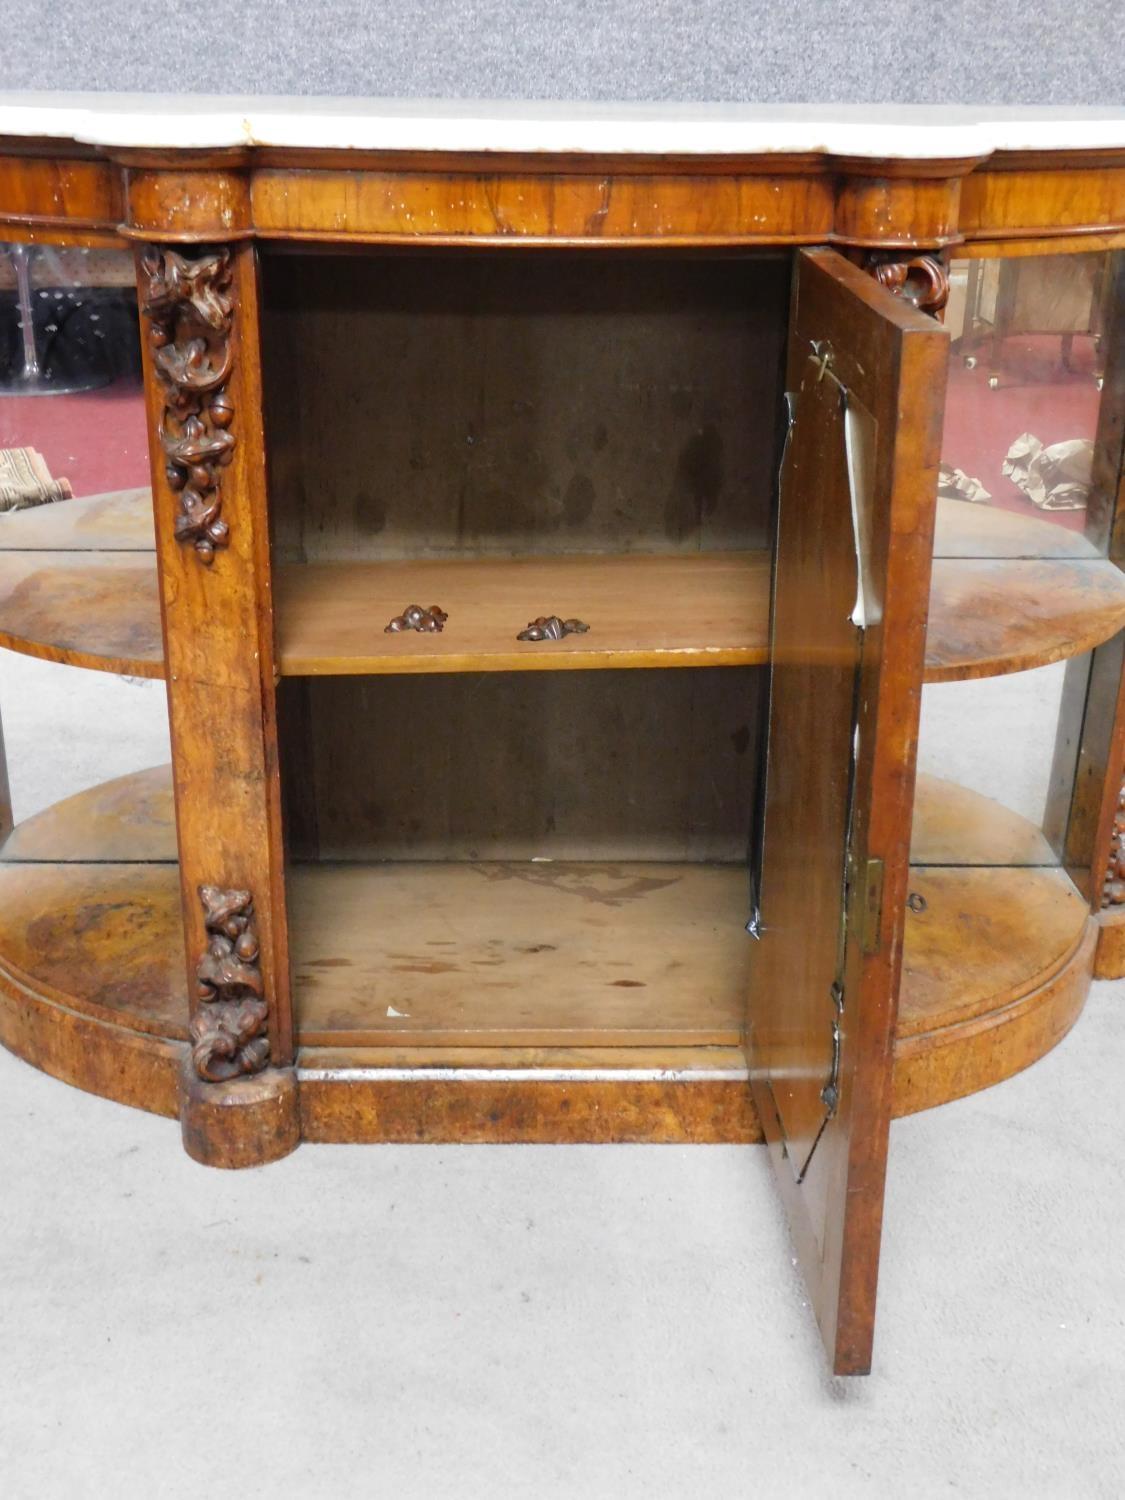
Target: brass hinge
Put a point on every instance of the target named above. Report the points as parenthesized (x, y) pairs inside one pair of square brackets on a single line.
[(871, 916)]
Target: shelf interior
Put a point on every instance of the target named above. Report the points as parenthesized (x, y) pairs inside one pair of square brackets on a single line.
[(521, 406), (625, 955), (603, 766), (521, 437)]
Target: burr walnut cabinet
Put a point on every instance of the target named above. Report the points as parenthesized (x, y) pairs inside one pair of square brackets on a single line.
[(549, 536)]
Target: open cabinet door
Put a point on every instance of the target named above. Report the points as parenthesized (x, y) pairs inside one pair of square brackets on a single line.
[(865, 386)]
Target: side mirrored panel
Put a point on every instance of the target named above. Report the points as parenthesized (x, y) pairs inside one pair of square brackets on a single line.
[(1029, 407), (89, 890), (987, 775), (72, 417), (77, 571), (77, 566)]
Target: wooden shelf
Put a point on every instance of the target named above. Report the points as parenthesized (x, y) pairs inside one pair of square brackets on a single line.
[(997, 964), (708, 609), (93, 983), (991, 617), (1010, 592), (104, 939), (987, 616), (987, 936), (996, 969), (88, 611), (78, 584)]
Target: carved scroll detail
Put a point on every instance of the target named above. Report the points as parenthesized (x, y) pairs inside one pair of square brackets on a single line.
[(921, 279), (1113, 889), (229, 1029), (187, 301)]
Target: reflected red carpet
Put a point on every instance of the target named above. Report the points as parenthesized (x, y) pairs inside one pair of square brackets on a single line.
[(96, 439), (1036, 394)]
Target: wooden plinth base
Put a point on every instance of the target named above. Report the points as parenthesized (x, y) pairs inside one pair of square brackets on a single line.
[(639, 1095), (619, 1095), (244, 1123)]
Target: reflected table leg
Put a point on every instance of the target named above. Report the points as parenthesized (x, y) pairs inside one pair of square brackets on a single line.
[(32, 379)]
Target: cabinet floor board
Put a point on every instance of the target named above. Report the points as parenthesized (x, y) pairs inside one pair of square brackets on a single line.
[(572, 954)]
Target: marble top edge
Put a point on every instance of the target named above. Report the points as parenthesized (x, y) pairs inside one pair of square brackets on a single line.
[(182, 122)]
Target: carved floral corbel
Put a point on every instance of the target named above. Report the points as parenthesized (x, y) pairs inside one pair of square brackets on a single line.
[(187, 301), (229, 1029)]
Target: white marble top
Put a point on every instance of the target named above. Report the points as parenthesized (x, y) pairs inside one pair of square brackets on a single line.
[(907, 131)]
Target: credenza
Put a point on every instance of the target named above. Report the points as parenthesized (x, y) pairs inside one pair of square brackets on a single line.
[(549, 532)]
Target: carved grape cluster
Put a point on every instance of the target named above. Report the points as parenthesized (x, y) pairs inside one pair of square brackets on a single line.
[(188, 304), (551, 628), (1113, 891), (229, 1028), (414, 617)]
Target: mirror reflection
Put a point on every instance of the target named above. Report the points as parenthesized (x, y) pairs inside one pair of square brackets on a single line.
[(1024, 399), (72, 419)]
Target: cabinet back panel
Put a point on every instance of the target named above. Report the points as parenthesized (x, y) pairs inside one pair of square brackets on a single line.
[(427, 405), (611, 765)]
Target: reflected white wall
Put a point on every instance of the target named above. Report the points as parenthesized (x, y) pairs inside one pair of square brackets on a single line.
[(995, 735), (67, 728)]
